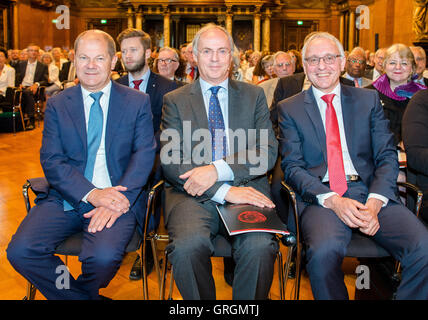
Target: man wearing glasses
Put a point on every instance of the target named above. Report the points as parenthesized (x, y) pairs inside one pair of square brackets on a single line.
[(135, 46), (355, 68), (170, 66), (216, 105), (338, 156)]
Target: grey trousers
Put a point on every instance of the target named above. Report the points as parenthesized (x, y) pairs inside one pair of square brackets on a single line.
[(192, 226)]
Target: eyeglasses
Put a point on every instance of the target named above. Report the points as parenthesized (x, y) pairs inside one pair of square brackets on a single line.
[(354, 61), (328, 59), (393, 63), (208, 53), (167, 61), (282, 64)]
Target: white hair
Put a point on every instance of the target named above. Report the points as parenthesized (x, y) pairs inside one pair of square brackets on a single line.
[(322, 35)]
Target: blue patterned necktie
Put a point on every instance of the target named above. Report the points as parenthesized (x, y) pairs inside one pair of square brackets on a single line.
[(95, 131), (216, 126)]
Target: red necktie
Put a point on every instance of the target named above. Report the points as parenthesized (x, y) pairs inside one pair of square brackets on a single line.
[(336, 171), (357, 85), (192, 73), (137, 84)]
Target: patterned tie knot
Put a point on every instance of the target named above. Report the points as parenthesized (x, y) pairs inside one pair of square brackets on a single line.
[(328, 98), (96, 95), (214, 90), (137, 83)]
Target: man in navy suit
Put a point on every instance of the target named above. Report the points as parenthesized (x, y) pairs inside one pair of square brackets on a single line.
[(97, 153), (135, 46), (338, 155)]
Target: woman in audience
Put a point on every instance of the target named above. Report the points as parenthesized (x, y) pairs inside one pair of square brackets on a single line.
[(297, 59), (54, 83), (7, 75), (415, 138), (396, 86), (263, 70)]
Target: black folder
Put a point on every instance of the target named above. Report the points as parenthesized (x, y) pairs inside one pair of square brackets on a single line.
[(240, 218)]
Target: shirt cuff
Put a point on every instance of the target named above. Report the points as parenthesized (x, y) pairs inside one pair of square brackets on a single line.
[(324, 196), (224, 172), (221, 193), (84, 199), (379, 197)]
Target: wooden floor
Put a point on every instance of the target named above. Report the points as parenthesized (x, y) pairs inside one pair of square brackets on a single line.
[(19, 160)]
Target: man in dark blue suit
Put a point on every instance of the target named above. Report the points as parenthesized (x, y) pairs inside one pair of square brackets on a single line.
[(135, 46), (338, 155), (97, 153)]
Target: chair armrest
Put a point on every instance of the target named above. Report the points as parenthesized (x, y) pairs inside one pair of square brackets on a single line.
[(417, 193), (38, 186), (154, 191), (292, 197)]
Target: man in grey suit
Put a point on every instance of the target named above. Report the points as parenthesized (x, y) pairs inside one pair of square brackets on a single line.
[(198, 178)]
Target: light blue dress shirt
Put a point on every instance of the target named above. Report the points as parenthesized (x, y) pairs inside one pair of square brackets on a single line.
[(143, 85), (224, 171)]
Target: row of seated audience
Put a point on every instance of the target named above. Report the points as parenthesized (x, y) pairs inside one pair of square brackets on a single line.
[(393, 74)]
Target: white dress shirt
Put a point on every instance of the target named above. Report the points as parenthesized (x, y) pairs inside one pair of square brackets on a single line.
[(143, 85), (101, 177), (347, 161), (224, 171), (29, 74), (7, 79)]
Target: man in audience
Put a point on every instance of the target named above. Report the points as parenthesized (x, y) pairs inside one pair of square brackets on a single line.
[(377, 71), (135, 46), (192, 71), (97, 152), (282, 67), (30, 75), (355, 68), (421, 63), (214, 103), (14, 58), (339, 157), (168, 62), (67, 74)]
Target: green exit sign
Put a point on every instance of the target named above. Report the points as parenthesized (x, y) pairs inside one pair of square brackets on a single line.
[(103, 21), (300, 22)]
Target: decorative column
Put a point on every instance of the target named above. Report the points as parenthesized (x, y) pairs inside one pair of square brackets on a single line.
[(342, 29), (351, 38), (266, 31), (166, 27), (15, 25), (257, 17), (139, 19), (130, 16), (229, 16)]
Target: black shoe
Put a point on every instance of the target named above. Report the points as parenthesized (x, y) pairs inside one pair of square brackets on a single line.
[(229, 270), (135, 273), (104, 298)]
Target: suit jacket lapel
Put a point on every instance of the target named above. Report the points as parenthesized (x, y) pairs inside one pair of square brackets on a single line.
[(311, 108), (115, 114), (349, 114), (234, 101), (197, 105), (75, 108)]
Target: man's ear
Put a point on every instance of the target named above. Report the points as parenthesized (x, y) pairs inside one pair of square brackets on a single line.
[(113, 62), (148, 53)]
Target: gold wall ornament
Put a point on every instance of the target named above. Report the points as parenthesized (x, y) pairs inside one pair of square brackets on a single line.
[(420, 21)]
